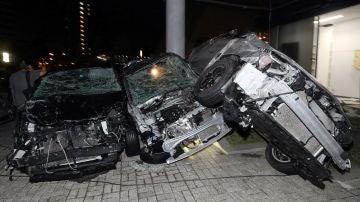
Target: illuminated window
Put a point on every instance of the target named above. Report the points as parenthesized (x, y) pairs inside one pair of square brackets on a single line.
[(81, 17), (81, 8), (82, 13), (81, 3), (81, 21)]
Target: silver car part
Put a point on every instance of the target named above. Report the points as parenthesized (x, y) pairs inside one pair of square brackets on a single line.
[(169, 145), (201, 133), (300, 122)]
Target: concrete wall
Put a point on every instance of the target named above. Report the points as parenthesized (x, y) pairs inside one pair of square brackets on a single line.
[(300, 32)]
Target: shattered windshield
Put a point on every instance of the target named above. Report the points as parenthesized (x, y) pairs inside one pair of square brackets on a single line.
[(84, 81), (163, 76)]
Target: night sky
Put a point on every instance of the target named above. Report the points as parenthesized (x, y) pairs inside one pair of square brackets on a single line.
[(123, 27), (126, 26)]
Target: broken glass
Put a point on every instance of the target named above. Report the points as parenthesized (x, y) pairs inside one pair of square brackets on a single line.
[(84, 81), (165, 75)]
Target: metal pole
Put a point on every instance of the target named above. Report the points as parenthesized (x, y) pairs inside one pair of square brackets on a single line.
[(175, 27)]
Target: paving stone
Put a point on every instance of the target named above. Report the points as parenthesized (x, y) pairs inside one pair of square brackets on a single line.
[(207, 176)]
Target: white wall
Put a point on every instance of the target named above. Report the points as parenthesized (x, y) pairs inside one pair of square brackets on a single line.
[(323, 62), (344, 77), (301, 32)]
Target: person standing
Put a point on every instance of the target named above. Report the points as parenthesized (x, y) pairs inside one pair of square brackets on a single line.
[(22, 83)]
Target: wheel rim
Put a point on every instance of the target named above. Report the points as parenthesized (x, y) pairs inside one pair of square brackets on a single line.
[(279, 156), (212, 78)]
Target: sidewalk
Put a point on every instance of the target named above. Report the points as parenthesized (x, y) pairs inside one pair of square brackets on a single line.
[(207, 176)]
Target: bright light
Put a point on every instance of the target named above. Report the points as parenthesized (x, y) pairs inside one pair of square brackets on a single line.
[(6, 57), (51, 54), (154, 72), (81, 8), (141, 53), (63, 54), (329, 18), (82, 13), (81, 3)]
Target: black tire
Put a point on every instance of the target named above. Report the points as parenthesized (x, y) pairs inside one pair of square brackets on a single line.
[(207, 89), (132, 143), (154, 154), (279, 161)]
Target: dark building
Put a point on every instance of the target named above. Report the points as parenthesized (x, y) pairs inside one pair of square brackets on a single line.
[(59, 27), (70, 30), (85, 11)]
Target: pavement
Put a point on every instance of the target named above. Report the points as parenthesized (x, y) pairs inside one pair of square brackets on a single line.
[(210, 175)]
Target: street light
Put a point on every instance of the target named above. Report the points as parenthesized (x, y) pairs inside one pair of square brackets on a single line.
[(6, 57)]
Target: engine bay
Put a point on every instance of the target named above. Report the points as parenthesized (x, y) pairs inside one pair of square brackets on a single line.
[(179, 122)]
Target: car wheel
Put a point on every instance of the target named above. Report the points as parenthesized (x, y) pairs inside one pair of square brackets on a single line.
[(279, 161), (132, 143), (207, 89), (154, 154)]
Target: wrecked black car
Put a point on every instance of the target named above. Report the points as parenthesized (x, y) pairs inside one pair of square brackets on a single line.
[(258, 86), (75, 124)]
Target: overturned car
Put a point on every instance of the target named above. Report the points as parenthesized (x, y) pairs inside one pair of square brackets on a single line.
[(73, 125), (303, 123)]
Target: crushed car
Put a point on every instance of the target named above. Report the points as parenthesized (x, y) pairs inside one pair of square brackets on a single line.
[(73, 125), (258, 86), (172, 124)]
